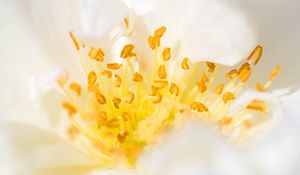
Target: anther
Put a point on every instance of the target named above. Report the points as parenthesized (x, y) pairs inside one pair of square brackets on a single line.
[(211, 66), (162, 72), (244, 72), (100, 98), (184, 64), (228, 96), (219, 89), (230, 74), (257, 105), (131, 97), (116, 102), (96, 54), (166, 54), (92, 78), (118, 80), (113, 66), (174, 89), (76, 88), (108, 73), (70, 108), (224, 121), (158, 98), (255, 55), (137, 77), (127, 51), (200, 107)]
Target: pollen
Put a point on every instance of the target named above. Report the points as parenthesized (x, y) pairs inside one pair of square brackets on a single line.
[(123, 107)]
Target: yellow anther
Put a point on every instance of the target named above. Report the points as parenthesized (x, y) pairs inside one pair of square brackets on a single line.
[(184, 64), (200, 107), (154, 41), (127, 51), (100, 97), (118, 80), (113, 66), (202, 87), (166, 54), (219, 89), (228, 96), (158, 98), (102, 119), (162, 74), (137, 77), (76, 88), (274, 73), (224, 121), (204, 78), (154, 90), (174, 89), (161, 83), (131, 97), (74, 41), (247, 124), (261, 88), (108, 73), (211, 66), (231, 73), (62, 79), (244, 72), (126, 21), (70, 108), (256, 54), (96, 54), (92, 78), (257, 105), (117, 102), (160, 31)]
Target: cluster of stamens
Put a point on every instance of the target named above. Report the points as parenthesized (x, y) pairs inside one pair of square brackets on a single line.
[(119, 110)]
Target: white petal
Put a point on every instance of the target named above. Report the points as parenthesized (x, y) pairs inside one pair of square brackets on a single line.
[(207, 30), (32, 148), (193, 150), (277, 152)]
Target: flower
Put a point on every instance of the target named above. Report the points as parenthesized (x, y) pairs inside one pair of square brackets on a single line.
[(99, 39)]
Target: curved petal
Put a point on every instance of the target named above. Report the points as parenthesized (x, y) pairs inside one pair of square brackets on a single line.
[(199, 151), (33, 148), (207, 30), (277, 151)]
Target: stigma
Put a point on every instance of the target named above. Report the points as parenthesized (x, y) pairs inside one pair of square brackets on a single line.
[(120, 109)]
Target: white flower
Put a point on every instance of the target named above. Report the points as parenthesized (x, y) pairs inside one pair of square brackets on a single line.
[(35, 39)]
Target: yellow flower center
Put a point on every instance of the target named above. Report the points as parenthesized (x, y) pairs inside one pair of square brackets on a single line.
[(120, 109)]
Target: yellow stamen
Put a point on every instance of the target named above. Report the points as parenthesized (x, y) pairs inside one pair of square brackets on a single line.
[(184, 64), (118, 80), (108, 73), (219, 89), (113, 66), (228, 96), (70, 108), (199, 107), (127, 51), (137, 77), (257, 105), (92, 78), (166, 54), (256, 54), (96, 54), (211, 66), (117, 102), (76, 88), (162, 72), (174, 89)]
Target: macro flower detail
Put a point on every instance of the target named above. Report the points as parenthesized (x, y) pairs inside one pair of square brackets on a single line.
[(120, 109)]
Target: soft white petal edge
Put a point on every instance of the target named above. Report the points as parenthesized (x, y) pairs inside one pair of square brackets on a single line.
[(207, 30)]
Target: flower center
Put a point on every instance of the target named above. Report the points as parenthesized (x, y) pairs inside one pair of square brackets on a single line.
[(119, 109)]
